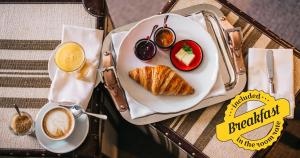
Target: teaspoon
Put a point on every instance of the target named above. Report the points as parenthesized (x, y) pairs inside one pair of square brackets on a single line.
[(17, 109), (149, 38), (165, 21), (78, 111)]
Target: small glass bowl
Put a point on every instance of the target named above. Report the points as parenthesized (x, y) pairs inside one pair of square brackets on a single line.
[(162, 34), (27, 132), (145, 49)]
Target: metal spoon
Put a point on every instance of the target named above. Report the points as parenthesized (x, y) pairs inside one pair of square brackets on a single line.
[(165, 21), (78, 111), (18, 110), (153, 29)]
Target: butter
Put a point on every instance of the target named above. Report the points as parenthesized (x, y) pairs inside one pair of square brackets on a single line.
[(188, 58), (185, 57), (180, 54)]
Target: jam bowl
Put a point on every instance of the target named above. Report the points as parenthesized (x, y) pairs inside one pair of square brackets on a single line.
[(145, 49), (164, 37)]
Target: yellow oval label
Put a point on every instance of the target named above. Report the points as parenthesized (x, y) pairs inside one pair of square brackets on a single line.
[(234, 127)]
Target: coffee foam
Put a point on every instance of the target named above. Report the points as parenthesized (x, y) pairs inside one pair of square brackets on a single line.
[(57, 123)]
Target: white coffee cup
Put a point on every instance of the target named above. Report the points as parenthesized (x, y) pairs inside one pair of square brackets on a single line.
[(58, 123)]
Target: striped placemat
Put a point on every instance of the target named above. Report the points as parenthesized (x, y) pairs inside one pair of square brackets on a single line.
[(190, 134), (28, 34)]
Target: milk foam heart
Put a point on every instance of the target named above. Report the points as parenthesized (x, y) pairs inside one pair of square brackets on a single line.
[(58, 123)]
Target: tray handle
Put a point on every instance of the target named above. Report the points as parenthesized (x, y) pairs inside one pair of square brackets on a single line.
[(234, 39)]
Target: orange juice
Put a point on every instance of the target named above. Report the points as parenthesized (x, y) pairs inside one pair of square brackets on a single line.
[(69, 56)]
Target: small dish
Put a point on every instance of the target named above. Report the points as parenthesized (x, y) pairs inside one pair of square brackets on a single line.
[(145, 49), (196, 49), (27, 126), (164, 37)]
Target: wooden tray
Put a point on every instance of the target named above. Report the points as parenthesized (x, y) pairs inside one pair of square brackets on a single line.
[(234, 83)]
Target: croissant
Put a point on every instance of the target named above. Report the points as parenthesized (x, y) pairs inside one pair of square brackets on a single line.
[(161, 80)]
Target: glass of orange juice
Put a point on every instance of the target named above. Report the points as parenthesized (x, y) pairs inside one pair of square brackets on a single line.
[(69, 56)]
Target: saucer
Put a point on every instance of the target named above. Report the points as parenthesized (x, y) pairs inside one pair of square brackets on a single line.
[(62, 146), (52, 70)]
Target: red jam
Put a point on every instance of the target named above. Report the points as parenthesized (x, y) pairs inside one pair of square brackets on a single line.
[(145, 49)]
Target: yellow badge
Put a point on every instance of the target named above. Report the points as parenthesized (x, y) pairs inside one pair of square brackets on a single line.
[(234, 127)]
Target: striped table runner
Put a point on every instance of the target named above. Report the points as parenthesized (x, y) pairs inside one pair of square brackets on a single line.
[(28, 34), (188, 135)]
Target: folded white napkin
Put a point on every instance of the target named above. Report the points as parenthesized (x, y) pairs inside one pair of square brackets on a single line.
[(138, 110), (72, 87), (283, 75)]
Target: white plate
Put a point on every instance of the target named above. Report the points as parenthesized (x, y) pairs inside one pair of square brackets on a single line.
[(202, 79), (52, 68), (62, 146)]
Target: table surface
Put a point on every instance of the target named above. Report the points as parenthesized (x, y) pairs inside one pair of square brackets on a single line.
[(24, 77), (29, 33), (195, 132), (194, 128), (286, 22)]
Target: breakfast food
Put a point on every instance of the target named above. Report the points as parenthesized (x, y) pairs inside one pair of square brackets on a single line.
[(58, 123), (185, 55), (164, 37), (21, 124), (69, 56), (161, 80), (145, 49)]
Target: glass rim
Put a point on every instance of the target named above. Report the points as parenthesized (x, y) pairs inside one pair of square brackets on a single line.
[(61, 44)]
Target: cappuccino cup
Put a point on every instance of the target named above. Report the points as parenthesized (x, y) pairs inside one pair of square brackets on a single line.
[(58, 123)]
